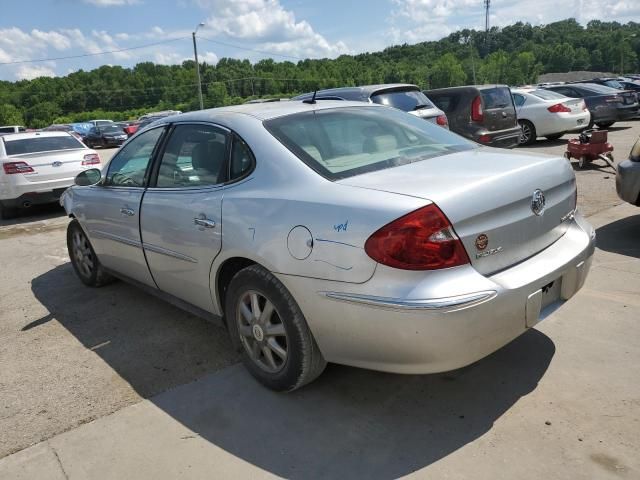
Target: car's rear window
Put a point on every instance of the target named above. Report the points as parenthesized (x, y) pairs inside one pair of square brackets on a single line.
[(344, 142), (112, 129), (41, 144), (547, 94), (496, 97), (594, 87), (405, 100)]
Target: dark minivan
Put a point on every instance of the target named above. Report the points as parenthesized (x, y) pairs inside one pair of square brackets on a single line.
[(483, 113)]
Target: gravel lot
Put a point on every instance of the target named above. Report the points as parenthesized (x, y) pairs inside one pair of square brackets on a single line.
[(71, 354)]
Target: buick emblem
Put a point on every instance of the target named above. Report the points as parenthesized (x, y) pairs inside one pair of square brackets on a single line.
[(538, 202), (482, 241), (56, 164)]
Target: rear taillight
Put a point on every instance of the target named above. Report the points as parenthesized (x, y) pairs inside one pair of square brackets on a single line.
[(559, 108), (422, 240), (91, 159), (484, 138), (476, 110), (11, 168), (613, 99), (442, 120)]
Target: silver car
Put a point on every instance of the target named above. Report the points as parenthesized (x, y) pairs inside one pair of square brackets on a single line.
[(628, 177), (334, 232)]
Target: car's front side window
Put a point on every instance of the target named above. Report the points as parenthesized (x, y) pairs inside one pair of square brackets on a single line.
[(128, 168), (195, 156)]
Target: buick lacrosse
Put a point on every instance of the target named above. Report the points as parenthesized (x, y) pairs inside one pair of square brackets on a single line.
[(334, 232)]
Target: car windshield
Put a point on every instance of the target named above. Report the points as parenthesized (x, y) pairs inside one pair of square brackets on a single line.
[(406, 100), (614, 84), (547, 94), (112, 129), (496, 97), (344, 142), (40, 144)]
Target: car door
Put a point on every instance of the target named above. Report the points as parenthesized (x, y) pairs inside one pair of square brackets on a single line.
[(182, 211), (111, 209)]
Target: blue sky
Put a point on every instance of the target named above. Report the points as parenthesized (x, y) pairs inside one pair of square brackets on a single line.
[(292, 29)]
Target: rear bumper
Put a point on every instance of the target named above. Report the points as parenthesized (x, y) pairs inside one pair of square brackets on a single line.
[(628, 182), (417, 322), (563, 122), (627, 113), (34, 198), (36, 192), (500, 139)]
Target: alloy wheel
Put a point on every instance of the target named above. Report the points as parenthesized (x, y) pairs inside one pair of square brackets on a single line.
[(525, 133), (82, 253), (262, 332)]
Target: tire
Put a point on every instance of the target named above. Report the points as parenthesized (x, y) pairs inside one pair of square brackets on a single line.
[(555, 136), (602, 126), (528, 134), (583, 161), (84, 259), (250, 291), (7, 213)]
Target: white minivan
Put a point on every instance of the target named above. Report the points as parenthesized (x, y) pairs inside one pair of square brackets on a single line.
[(38, 166)]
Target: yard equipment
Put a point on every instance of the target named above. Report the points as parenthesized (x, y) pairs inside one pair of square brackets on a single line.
[(589, 146)]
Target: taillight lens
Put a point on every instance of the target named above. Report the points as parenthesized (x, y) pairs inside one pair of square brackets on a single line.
[(484, 138), (11, 168), (613, 99), (476, 110), (422, 240), (559, 108), (442, 120), (91, 159)]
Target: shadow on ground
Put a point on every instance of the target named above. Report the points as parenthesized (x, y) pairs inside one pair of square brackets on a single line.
[(350, 423), (621, 236), (35, 213)]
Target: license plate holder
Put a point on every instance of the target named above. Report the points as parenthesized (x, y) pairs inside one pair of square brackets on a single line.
[(543, 302)]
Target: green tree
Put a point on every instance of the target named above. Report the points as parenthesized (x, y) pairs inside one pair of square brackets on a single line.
[(447, 72), (495, 68), (562, 58), (10, 115)]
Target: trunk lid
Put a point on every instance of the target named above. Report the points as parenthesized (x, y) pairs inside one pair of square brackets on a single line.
[(56, 165), (498, 109), (575, 104), (489, 192)]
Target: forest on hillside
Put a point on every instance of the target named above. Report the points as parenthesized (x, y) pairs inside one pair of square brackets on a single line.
[(514, 55)]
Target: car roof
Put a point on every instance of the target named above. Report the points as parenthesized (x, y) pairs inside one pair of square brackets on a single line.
[(366, 90), (264, 111), (21, 136)]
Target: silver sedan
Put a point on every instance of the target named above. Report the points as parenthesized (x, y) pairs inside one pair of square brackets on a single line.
[(628, 177), (334, 232)]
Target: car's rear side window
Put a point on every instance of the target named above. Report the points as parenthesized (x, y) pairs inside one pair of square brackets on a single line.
[(343, 142), (496, 97), (405, 100), (41, 144)]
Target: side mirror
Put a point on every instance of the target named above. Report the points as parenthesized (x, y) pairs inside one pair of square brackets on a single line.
[(88, 177)]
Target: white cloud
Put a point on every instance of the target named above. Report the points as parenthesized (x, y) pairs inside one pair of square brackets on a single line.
[(29, 72), (268, 25), (208, 57), (110, 3)]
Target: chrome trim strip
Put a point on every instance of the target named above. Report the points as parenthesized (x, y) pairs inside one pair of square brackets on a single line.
[(446, 303), (115, 238), (169, 253)]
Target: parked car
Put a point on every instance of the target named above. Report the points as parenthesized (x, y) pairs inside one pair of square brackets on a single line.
[(543, 113), (100, 123), (606, 105), (628, 177), (105, 136), (402, 96), (12, 129), (349, 233), (64, 127), (163, 113), (132, 128), (38, 166), (611, 82), (483, 113)]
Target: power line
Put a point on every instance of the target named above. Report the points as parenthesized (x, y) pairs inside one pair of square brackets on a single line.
[(92, 54), (263, 52)]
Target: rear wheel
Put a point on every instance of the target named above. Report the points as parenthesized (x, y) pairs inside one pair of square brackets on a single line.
[(7, 212), (602, 126), (267, 326), (583, 161), (527, 132), (84, 260), (555, 136)]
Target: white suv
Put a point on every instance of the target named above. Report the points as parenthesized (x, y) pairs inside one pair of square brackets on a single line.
[(36, 167)]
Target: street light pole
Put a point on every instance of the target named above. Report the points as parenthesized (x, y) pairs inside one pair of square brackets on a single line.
[(195, 54)]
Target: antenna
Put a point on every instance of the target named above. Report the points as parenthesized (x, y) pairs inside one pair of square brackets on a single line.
[(312, 100)]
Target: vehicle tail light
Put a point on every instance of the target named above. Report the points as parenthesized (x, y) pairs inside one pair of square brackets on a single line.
[(584, 106), (476, 110), (484, 138), (559, 108), (613, 99), (442, 120), (91, 159), (421, 240), (11, 168)]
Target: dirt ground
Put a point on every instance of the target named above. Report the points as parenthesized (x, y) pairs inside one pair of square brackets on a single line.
[(69, 354)]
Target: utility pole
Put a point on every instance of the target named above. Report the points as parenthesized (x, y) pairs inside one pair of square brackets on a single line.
[(487, 4), (195, 54)]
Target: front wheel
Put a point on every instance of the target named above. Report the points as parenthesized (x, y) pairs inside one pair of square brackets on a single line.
[(83, 258), (527, 132), (602, 126), (268, 327)]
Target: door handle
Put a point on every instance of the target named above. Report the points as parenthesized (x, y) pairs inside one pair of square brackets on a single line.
[(127, 211), (203, 221)]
